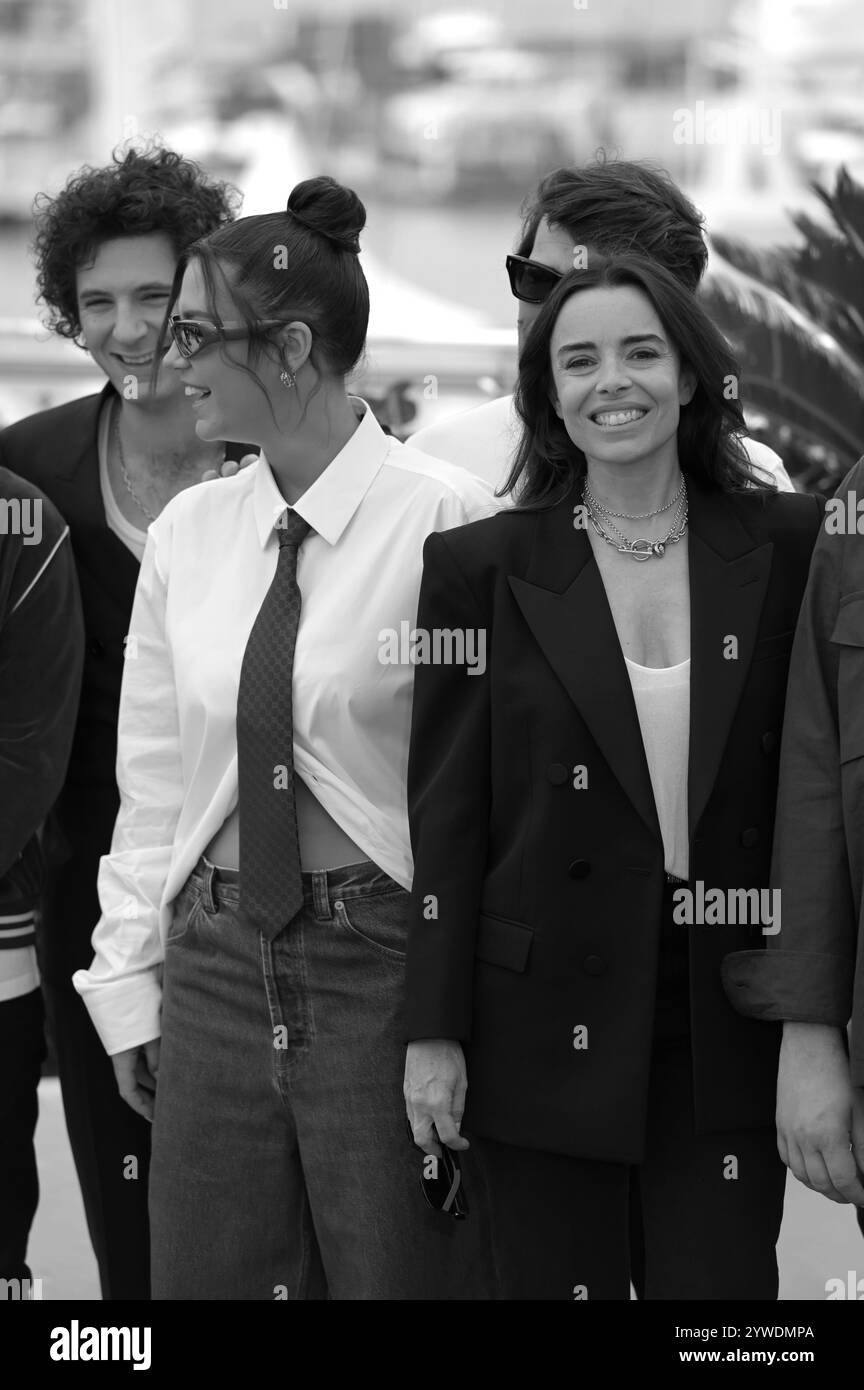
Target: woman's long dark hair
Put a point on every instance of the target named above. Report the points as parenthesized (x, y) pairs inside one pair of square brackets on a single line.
[(711, 427)]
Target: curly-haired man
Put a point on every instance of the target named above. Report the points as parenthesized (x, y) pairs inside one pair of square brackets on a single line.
[(106, 248)]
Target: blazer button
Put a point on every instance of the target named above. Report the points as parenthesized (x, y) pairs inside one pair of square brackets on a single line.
[(97, 646), (594, 965), (769, 742), (557, 774), (750, 837), (580, 868)]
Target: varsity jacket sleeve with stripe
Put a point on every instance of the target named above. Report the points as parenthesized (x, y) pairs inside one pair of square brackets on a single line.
[(41, 656)]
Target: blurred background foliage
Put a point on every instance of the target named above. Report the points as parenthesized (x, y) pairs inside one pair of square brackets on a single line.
[(795, 316), (443, 115)]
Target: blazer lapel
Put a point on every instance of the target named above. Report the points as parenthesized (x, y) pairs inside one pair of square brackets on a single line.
[(76, 470), (563, 601), (728, 582)]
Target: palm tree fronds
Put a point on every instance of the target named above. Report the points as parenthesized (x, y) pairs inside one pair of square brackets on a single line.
[(795, 317), (794, 370), (778, 270), (846, 206)]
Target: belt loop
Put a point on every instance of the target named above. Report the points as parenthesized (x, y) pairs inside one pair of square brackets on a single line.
[(320, 895), (210, 904)]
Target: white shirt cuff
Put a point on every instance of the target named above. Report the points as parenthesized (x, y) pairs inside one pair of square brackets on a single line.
[(125, 1013)]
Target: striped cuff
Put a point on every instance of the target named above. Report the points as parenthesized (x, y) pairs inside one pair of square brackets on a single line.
[(17, 931)]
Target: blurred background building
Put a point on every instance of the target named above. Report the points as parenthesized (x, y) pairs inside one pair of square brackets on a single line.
[(443, 116), (442, 119)]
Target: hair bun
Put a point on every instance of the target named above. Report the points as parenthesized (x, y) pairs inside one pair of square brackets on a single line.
[(324, 206)]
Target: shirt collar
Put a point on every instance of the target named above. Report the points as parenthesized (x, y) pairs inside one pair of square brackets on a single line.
[(331, 501)]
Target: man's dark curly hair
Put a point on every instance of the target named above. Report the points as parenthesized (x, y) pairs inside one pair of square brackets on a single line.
[(141, 191)]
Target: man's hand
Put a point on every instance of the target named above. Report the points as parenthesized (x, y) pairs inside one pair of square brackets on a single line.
[(136, 1071), (228, 468), (435, 1088), (820, 1114)]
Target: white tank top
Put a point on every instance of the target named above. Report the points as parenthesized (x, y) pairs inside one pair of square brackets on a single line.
[(662, 696)]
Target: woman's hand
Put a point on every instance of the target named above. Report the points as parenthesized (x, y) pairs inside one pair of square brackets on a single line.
[(435, 1087), (820, 1114), (228, 468), (136, 1071)]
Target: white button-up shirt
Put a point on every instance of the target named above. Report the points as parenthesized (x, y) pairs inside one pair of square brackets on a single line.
[(209, 561)]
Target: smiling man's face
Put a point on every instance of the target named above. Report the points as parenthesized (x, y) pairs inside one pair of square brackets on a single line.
[(121, 303)]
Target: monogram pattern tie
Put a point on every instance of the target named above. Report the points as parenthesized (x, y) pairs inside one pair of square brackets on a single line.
[(271, 889)]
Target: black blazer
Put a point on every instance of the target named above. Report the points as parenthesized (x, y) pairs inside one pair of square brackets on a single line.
[(536, 907), (57, 450)]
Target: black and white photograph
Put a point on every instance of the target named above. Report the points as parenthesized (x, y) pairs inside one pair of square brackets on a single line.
[(431, 826)]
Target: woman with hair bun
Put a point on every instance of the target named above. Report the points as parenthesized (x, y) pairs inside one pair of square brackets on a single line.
[(252, 939)]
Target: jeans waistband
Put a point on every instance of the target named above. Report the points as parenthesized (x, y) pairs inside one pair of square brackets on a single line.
[(321, 887)]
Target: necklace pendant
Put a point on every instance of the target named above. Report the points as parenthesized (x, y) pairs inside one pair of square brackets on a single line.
[(641, 550)]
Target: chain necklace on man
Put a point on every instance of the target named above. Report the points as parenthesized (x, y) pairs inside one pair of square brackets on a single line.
[(640, 549), (127, 481)]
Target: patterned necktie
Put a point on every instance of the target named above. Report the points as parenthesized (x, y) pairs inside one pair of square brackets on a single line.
[(271, 889)]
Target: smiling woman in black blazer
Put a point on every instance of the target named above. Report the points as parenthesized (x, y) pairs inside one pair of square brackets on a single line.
[(618, 750)]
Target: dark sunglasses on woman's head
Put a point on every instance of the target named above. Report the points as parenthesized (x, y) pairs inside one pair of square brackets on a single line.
[(531, 281), (191, 335)]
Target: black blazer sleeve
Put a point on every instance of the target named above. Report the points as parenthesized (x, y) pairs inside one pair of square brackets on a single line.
[(448, 804)]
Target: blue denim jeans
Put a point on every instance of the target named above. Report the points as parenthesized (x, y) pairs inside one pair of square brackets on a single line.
[(282, 1167)]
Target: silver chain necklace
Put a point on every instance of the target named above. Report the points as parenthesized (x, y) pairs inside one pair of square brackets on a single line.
[(629, 516), (640, 549), (127, 481)]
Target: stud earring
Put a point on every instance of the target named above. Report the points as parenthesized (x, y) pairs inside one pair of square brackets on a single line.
[(287, 378)]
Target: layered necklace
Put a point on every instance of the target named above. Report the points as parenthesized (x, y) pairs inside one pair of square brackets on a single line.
[(643, 549)]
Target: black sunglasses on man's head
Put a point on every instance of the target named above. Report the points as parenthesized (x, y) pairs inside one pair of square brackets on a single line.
[(531, 281)]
